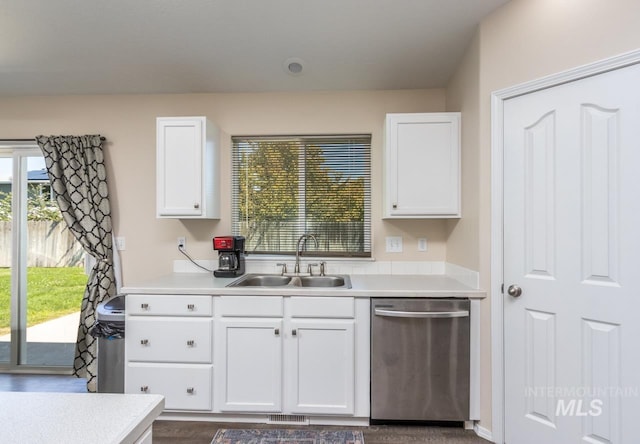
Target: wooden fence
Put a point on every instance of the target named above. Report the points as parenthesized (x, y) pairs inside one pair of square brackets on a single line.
[(282, 236), (49, 244)]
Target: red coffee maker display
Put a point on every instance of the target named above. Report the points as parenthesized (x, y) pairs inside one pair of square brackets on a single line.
[(230, 256)]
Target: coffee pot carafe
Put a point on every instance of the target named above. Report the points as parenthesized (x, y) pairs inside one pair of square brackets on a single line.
[(227, 260)]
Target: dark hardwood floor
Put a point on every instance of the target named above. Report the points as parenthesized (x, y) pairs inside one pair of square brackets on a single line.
[(192, 432), (41, 383), (166, 432)]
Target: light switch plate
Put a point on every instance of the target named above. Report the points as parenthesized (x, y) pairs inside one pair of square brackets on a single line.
[(422, 244), (393, 244), (120, 243)]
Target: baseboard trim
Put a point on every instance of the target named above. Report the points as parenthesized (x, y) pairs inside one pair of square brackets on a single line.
[(482, 432), (261, 418)]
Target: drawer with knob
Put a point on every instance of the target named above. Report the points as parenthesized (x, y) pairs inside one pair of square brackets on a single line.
[(168, 305), (185, 387), (169, 340)]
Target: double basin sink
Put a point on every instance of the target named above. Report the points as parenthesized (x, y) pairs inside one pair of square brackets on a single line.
[(275, 280)]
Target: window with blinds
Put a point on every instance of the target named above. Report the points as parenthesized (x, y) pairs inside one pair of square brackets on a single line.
[(284, 187)]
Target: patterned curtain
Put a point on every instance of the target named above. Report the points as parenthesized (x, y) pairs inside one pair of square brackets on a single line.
[(79, 181)]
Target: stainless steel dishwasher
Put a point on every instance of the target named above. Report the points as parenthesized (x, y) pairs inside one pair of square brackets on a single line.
[(420, 359)]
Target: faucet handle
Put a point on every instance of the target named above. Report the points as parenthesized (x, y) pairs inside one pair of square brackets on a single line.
[(310, 269), (322, 268), (283, 270)]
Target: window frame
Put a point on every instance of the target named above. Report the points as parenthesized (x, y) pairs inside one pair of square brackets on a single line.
[(302, 142)]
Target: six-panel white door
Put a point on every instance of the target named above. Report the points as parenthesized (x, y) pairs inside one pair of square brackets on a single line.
[(571, 244)]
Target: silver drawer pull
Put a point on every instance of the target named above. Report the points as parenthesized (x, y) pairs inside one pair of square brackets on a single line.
[(144, 342), (144, 388), (191, 307), (190, 390), (144, 306), (422, 314), (191, 343)]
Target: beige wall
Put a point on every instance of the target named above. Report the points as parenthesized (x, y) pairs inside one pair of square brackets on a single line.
[(463, 95), (128, 122), (522, 41)]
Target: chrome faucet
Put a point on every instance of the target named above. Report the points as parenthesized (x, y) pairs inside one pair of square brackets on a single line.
[(302, 239)]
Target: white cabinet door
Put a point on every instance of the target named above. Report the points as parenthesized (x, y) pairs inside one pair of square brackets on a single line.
[(422, 165), (249, 360), (186, 168), (185, 387), (320, 357)]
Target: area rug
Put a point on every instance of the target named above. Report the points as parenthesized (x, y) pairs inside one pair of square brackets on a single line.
[(287, 436)]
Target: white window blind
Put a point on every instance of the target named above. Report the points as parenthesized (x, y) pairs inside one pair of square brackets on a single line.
[(284, 187)]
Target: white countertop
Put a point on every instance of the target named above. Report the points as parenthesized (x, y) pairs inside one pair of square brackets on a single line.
[(362, 286), (71, 418)]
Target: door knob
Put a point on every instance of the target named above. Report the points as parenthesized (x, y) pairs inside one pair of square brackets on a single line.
[(514, 291)]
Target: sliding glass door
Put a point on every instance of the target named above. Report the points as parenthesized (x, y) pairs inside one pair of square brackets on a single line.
[(42, 276)]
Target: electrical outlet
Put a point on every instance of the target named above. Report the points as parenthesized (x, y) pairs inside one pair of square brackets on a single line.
[(393, 244), (120, 243), (182, 242), (422, 244)]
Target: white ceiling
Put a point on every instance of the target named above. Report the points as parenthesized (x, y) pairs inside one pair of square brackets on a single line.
[(195, 46)]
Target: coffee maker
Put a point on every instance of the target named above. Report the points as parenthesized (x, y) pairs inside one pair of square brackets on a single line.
[(230, 256)]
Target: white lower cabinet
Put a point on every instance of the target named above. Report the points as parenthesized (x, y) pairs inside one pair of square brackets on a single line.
[(249, 376), (320, 356), (250, 354), (169, 340), (285, 364), (169, 349), (185, 387)]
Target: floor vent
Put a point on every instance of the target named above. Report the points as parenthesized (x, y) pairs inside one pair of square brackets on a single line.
[(288, 419)]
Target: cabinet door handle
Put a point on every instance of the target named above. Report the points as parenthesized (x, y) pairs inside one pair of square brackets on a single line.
[(394, 206), (191, 343), (144, 306), (294, 332), (191, 307), (144, 342), (277, 331), (196, 205), (190, 390), (144, 388)]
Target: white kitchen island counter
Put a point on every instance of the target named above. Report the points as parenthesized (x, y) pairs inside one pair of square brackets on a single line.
[(71, 418), (363, 285)]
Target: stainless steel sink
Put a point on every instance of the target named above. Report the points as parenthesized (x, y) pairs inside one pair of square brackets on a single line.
[(261, 280), (275, 280), (323, 281)]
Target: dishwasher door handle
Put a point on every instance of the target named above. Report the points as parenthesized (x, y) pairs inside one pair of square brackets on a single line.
[(422, 314)]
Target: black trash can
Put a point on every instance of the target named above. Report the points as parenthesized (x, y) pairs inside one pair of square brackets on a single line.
[(109, 330)]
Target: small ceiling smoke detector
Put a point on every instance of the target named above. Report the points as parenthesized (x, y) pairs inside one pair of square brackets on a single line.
[(293, 66)]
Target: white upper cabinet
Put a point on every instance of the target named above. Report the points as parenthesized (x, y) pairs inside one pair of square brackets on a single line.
[(187, 168), (422, 166)]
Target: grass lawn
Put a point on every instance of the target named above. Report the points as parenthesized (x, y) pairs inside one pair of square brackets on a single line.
[(51, 293)]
